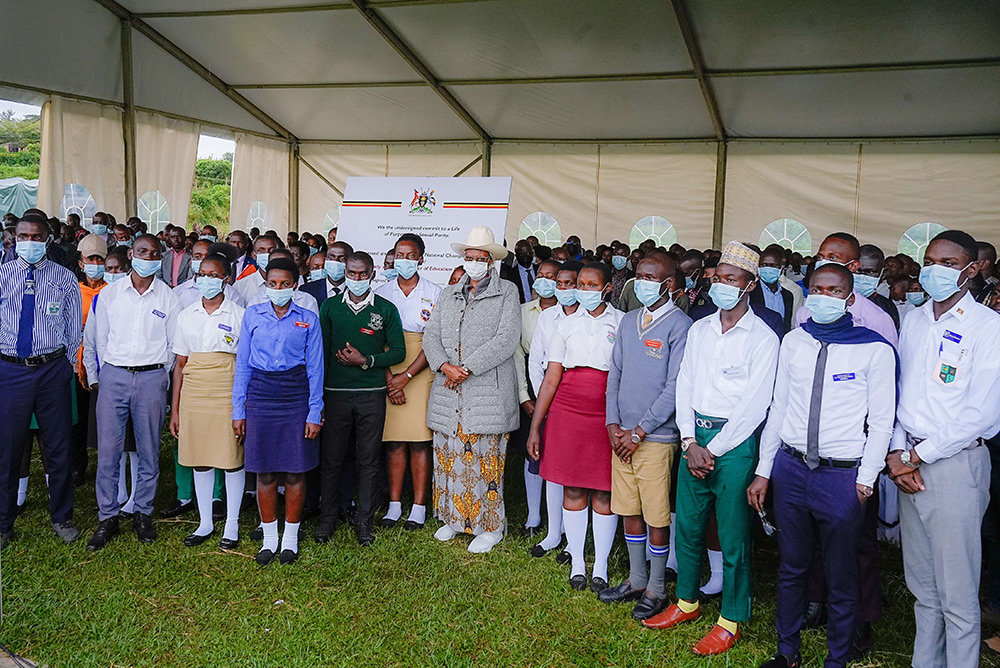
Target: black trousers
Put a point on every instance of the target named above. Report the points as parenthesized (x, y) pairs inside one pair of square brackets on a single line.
[(364, 411)]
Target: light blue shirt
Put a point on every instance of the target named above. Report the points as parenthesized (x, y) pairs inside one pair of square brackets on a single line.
[(774, 300), (268, 343)]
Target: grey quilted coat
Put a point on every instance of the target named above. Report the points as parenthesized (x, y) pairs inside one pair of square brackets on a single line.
[(482, 335)]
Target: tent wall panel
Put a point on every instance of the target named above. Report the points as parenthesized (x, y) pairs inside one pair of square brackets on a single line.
[(316, 200), (82, 143), (166, 151), (337, 162), (813, 184), (956, 185), (260, 174), (433, 160)]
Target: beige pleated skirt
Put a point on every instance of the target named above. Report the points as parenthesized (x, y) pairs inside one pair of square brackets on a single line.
[(409, 421), (206, 435)]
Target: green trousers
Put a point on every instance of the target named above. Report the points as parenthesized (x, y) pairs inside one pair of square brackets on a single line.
[(725, 489), (184, 476)]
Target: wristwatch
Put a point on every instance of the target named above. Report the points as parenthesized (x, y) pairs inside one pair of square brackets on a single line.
[(687, 443), (866, 490), (635, 438), (904, 457), (367, 364), (409, 375)]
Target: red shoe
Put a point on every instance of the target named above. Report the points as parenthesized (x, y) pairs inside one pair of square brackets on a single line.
[(717, 641), (671, 617)]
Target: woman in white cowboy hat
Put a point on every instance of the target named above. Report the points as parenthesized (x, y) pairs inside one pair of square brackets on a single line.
[(469, 343)]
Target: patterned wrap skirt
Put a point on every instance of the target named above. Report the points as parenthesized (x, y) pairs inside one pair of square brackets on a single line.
[(277, 408), (409, 422), (206, 436), (577, 448), (468, 481)]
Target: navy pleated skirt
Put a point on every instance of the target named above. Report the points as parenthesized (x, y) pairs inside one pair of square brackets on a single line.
[(277, 408)]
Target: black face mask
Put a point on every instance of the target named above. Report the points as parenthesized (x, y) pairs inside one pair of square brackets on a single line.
[(524, 260)]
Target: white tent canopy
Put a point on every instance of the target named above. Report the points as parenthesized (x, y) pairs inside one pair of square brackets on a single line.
[(562, 92)]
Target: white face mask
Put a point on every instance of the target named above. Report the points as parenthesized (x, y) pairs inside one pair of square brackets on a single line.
[(476, 269)]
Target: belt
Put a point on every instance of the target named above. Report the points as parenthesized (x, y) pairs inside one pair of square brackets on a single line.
[(709, 423), (37, 360), (823, 461), (140, 369)]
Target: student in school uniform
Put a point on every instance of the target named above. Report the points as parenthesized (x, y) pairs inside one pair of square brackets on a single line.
[(278, 404), (188, 293), (207, 337), (406, 435), (573, 399), (331, 284)]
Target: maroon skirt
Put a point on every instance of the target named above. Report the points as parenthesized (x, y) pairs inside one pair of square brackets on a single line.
[(577, 450)]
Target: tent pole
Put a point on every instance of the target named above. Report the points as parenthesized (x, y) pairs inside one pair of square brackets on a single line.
[(487, 158), (128, 121), (293, 187), (720, 194)]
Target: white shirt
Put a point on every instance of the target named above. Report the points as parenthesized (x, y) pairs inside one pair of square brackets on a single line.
[(250, 286), (774, 300), (303, 299), (949, 385), (728, 376), (538, 353), (134, 329), (415, 308), (199, 331), (902, 308), (859, 387), (333, 290), (188, 294), (360, 306), (585, 340)]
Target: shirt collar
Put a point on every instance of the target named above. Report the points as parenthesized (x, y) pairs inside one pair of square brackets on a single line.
[(38, 265), (746, 322), (225, 307), (359, 306), (660, 312), (960, 311)]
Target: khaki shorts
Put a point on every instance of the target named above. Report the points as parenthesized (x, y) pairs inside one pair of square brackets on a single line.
[(643, 487)]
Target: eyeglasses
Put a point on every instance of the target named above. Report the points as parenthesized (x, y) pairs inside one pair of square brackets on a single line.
[(769, 528)]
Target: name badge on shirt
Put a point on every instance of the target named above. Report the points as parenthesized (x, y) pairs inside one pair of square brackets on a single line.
[(225, 328), (53, 308), (369, 332), (654, 348), (734, 373), (159, 314), (303, 325), (952, 336), (843, 376)]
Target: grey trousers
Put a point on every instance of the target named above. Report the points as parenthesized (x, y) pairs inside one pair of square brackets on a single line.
[(143, 396), (942, 557)]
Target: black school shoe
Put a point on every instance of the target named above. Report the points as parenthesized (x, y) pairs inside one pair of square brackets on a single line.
[(779, 660), (649, 606), (144, 528), (578, 582), (193, 540), (264, 557), (106, 530), (176, 509), (288, 556), (620, 594)]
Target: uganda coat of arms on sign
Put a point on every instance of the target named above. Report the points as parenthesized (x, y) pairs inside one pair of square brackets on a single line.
[(423, 201)]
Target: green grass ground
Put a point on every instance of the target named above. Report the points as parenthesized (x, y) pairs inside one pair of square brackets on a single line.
[(407, 601)]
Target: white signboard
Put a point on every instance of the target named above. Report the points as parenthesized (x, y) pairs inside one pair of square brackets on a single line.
[(442, 210)]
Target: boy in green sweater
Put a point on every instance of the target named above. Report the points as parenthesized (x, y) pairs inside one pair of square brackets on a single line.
[(362, 338)]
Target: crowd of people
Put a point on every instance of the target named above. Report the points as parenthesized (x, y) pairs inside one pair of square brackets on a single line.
[(688, 392)]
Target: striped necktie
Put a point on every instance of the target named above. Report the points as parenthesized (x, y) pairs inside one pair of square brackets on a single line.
[(26, 323)]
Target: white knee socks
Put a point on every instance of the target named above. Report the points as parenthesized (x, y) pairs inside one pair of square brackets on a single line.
[(714, 584), (235, 481), (575, 522), (533, 489), (554, 510), (605, 528), (22, 491), (203, 483)]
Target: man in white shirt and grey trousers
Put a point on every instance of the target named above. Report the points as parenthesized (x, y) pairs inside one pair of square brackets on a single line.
[(949, 401), (135, 331)]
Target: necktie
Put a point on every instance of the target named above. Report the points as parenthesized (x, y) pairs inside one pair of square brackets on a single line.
[(815, 403), (26, 323), (646, 319)]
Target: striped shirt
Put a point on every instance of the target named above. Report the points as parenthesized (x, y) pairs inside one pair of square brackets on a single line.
[(58, 313)]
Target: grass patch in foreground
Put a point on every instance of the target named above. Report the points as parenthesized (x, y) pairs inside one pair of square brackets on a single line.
[(407, 601)]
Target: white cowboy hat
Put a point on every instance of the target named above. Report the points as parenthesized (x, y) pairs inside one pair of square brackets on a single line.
[(481, 238)]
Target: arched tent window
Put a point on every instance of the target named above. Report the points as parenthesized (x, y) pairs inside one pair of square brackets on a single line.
[(258, 215), (914, 240), (657, 228), (154, 210), (789, 233), (331, 219), (77, 199), (543, 226)]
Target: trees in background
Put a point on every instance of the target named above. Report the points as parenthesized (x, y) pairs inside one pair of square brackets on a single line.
[(20, 145)]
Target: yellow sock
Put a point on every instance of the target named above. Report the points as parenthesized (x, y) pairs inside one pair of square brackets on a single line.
[(728, 625), (687, 606)]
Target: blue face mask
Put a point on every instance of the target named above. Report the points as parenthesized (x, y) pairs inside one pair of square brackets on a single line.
[(208, 286), (726, 297), (209, 238), (357, 288), (389, 274), (589, 299), (195, 266), (313, 250), (94, 271), (334, 269), (127, 243), (544, 287), (941, 282), (279, 297), (647, 292), (111, 278), (825, 309), (865, 284), (317, 274), (566, 297), (145, 268), (30, 251), (406, 268), (769, 274), (916, 298), (619, 261), (99, 230), (261, 260), (820, 263), (690, 283)]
